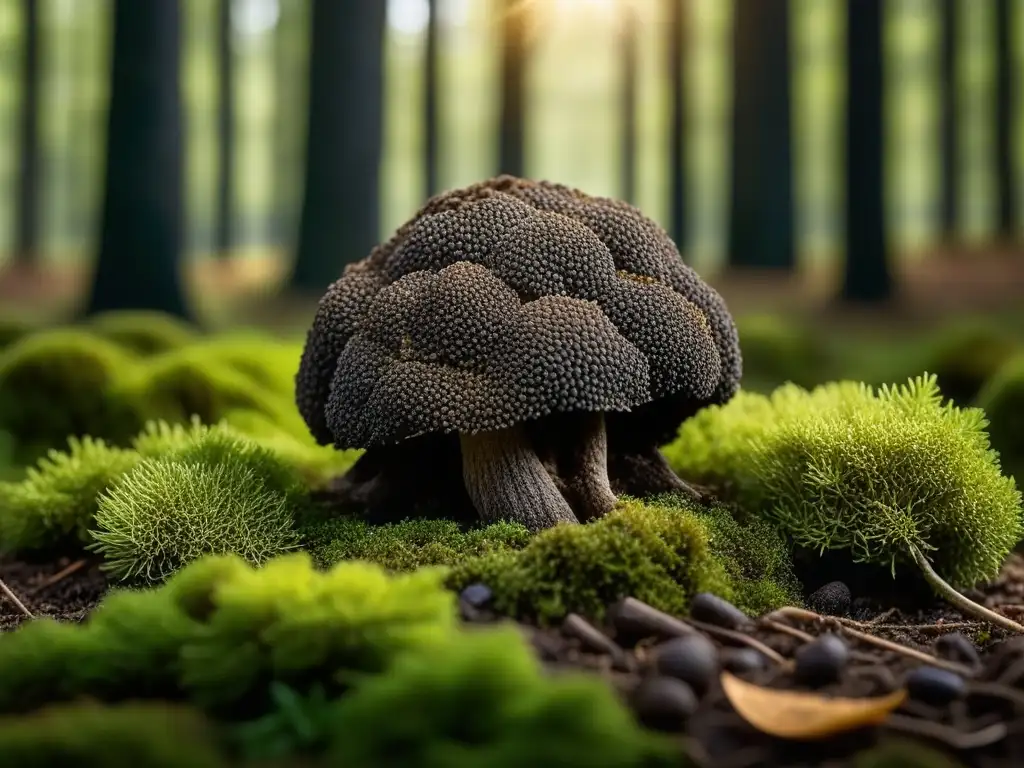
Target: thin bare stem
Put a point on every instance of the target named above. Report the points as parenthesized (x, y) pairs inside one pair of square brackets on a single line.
[(57, 577), (962, 603), (14, 599)]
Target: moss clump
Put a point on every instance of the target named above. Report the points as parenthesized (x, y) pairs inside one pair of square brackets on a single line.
[(166, 513), (410, 544), (657, 554), (776, 351), (62, 383), (489, 704), (270, 363), (219, 632), (1002, 400), (53, 507), (966, 355), (89, 735), (143, 332), (877, 473)]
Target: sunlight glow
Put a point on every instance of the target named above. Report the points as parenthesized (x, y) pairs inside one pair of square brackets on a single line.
[(603, 7), (254, 17)]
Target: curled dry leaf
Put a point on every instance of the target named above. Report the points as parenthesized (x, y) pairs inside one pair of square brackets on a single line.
[(804, 715)]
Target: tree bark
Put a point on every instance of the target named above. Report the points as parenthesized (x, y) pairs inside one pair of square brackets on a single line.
[(339, 222), (627, 107), (761, 216), (141, 225), (948, 116), (1006, 222), (512, 119), (866, 277), (431, 111), (26, 237), (225, 132), (677, 30)]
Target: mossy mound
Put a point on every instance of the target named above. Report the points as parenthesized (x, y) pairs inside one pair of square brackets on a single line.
[(876, 473), (660, 554), (144, 332), (269, 362), (1002, 400), (777, 351), (65, 383), (408, 545)]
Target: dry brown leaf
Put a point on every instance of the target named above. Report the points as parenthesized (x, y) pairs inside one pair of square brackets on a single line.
[(804, 715)]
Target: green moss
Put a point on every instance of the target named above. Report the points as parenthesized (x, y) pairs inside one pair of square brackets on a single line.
[(142, 331), (62, 383), (846, 467), (966, 355), (53, 507), (408, 545), (489, 704), (776, 351), (1002, 400), (270, 363), (220, 631), (657, 554), (89, 735), (167, 513)]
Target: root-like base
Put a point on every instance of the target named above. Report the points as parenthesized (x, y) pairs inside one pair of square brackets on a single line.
[(646, 473)]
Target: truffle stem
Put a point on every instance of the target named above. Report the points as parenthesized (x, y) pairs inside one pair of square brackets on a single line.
[(648, 474), (961, 602), (584, 470), (506, 480)]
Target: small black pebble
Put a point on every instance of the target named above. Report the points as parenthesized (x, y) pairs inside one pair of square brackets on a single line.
[(476, 595), (712, 609), (740, 660), (934, 686), (820, 662), (691, 658), (833, 599), (955, 646), (664, 703)]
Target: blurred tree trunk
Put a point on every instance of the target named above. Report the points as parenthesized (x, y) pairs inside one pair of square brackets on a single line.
[(948, 117), (339, 222), (290, 68), (677, 31), (761, 217), (512, 119), (141, 226), (225, 132), (1006, 223), (26, 238), (866, 277), (431, 116), (627, 108)]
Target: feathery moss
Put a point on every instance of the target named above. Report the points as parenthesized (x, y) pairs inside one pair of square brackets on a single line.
[(53, 507), (876, 473)]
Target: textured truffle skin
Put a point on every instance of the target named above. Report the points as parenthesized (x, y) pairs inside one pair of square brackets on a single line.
[(507, 301)]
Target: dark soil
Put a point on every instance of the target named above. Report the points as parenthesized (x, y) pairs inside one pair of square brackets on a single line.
[(982, 727)]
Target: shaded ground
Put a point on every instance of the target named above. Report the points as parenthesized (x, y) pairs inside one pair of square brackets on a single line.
[(983, 726)]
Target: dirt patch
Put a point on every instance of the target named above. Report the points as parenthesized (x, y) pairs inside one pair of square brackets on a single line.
[(65, 589)]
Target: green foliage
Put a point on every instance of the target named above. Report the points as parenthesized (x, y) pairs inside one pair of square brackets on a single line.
[(657, 554), (1002, 400), (53, 507), (489, 704), (62, 383), (88, 735), (846, 467), (776, 351), (220, 631), (410, 544), (966, 355), (168, 512), (142, 331)]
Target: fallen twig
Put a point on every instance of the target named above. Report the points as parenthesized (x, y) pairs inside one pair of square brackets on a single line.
[(739, 637), (880, 642), (14, 599), (55, 578)]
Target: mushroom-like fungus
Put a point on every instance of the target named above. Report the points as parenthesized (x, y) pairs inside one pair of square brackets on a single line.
[(519, 349)]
